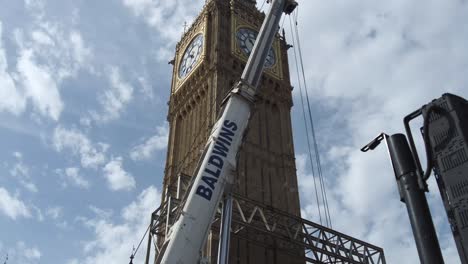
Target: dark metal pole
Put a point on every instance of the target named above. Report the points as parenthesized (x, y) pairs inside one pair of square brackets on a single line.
[(414, 198), (148, 249), (225, 232)]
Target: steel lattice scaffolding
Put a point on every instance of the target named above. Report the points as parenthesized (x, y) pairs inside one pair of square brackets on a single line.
[(270, 227)]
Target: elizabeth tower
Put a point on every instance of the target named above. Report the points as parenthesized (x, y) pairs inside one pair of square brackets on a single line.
[(208, 62)]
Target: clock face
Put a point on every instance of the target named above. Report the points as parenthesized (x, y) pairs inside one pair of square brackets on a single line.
[(191, 56), (246, 39)]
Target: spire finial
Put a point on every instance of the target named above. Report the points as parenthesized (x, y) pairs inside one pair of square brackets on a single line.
[(132, 256)]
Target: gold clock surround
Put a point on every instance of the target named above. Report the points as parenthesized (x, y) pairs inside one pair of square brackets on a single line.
[(187, 40), (238, 23)]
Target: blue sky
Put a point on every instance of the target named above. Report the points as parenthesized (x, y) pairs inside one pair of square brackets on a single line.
[(83, 92)]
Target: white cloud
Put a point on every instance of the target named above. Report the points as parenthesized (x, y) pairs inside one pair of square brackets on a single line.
[(17, 154), (101, 213), (73, 261), (40, 86), (61, 49), (146, 88), (73, 176), (75, 141), (22, 253), (368, 209), (117, 177), (39, 215), (159, 14), (115, 99), (21, 172), (80, 52), (370, 65), (42, 38), (12, 206), (35, 6), (114, 240), (48, 54), (54, 212), (32, 253), (11, 99), (145, 150), (85, 122), (30, 186), (356, 45)]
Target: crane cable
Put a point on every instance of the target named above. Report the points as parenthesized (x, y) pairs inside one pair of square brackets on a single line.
[(318, 166), (262, 5), (305, 123), (316, 149), (134, 251)]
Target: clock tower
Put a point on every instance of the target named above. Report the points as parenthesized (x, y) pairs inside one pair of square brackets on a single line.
[(209, 60)]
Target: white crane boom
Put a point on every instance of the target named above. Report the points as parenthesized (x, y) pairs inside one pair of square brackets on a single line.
[(187, 236)]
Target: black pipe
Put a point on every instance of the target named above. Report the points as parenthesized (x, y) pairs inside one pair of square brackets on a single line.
[(412, 147), (413, 196)]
